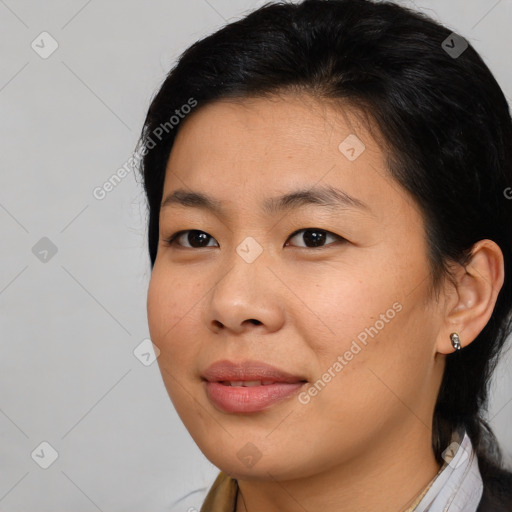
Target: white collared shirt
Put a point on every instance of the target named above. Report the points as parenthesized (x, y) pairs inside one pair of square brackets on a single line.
[(458, 487)]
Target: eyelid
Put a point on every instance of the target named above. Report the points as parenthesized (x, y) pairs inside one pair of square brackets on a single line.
[(170, 241), (328, 233)]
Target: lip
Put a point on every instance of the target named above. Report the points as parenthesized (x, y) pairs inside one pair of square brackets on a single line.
[(239, 399), (247, 370)]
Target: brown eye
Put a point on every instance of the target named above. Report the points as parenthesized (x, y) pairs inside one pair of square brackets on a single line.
[(192, 239), (314, 237)]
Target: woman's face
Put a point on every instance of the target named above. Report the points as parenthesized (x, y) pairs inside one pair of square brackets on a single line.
[(334, 291)]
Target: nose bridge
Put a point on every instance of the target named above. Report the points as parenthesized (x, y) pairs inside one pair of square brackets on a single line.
[(246, 265), (245, 293)]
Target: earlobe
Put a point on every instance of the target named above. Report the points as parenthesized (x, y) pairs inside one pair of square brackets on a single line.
[(476, 287)]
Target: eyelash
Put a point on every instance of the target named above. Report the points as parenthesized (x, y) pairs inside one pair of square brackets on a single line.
[(173, 238)]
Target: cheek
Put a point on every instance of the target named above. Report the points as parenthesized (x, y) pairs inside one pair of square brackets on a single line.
[(368, 317), (172, 307), (338, 304), (379, 353), (172, 312)]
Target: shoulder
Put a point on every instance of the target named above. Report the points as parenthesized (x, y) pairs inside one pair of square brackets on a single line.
[(497, 493)]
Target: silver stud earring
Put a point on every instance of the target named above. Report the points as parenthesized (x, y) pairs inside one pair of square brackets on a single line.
[(454, 337)]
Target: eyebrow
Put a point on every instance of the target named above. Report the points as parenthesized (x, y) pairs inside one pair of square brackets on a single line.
[(326, 196)]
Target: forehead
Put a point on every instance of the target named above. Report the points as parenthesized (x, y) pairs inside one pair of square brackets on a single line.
[(296, 125), (259, 147)]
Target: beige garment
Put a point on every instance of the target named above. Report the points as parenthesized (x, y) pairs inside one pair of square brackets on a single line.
[(222, 495)]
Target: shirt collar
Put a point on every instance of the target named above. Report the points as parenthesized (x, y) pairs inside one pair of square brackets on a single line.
[(458, 487)]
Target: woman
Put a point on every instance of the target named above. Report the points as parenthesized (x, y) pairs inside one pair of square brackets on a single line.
[(329, 234)]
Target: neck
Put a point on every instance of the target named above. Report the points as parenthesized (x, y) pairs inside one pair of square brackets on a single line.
[(387, 478)]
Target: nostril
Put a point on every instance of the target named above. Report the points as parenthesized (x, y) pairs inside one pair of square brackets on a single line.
[(219, 325)]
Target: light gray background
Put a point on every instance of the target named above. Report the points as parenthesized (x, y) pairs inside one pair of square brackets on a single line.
[(69, 325)]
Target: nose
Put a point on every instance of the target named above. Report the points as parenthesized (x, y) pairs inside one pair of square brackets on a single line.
[(245, 298)]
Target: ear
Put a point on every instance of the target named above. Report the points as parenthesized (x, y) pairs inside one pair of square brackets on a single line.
[(471, 298)]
